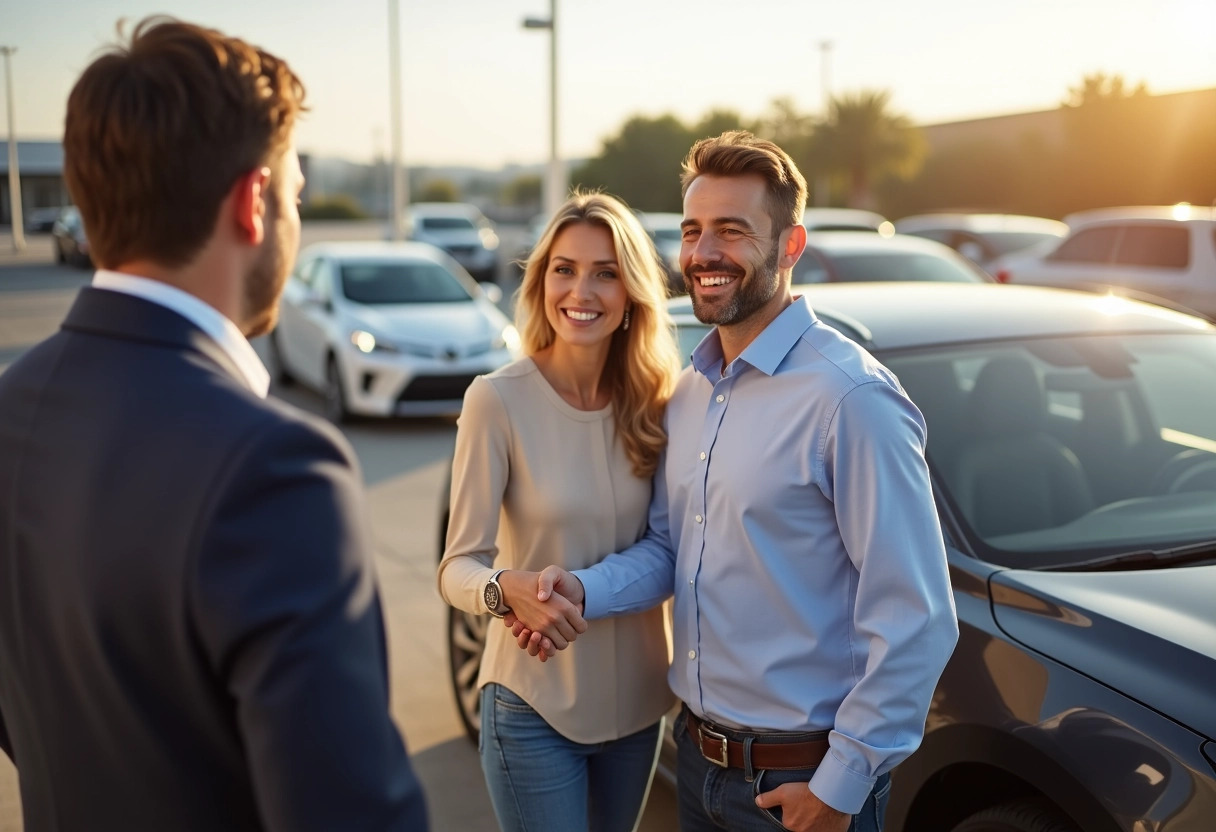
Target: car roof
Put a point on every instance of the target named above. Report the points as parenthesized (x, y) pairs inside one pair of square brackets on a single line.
[(896, 316), (444, 209), (374, 250), (1181, 212), (661, 219), (981, 223), (842, 242), (842, 216)]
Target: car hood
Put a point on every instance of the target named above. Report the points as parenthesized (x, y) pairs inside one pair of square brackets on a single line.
[(1149, 634), (438, 324)]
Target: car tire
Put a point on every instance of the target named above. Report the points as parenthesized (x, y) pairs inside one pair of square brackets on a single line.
[(335, 394), (466, 644), (1019, 816), (278, 369)]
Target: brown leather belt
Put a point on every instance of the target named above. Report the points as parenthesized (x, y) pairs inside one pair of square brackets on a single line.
[(771, 754)]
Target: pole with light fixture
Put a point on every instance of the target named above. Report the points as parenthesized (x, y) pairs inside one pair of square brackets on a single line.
[(555, 174), (14, 172), (400, 191)]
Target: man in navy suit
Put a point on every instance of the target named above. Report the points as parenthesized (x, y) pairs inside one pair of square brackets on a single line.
[(191, 635)]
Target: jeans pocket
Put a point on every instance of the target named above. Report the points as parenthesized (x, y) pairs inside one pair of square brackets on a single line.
[(768, 780)]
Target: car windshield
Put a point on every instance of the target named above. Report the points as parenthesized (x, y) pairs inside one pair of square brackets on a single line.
[(409, 282), (1056, 451), (446, 224), (898, 266)]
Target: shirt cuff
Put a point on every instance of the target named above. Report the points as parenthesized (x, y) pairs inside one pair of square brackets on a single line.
[(595, 593), (839, 786)]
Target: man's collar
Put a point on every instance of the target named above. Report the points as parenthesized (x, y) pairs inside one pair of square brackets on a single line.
[(767, 350)]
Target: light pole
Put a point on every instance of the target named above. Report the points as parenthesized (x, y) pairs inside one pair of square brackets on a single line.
[(823, 183), (400, 195), (14, 174), (555, 175)]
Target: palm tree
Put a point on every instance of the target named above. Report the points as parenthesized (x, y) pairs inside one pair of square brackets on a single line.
[(863, 139)]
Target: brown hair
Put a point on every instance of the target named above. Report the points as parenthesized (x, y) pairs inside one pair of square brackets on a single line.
[(739, 153), (643, 361), (158, 131)]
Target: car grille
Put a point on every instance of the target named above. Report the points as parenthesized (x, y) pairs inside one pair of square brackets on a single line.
[(436, 388)]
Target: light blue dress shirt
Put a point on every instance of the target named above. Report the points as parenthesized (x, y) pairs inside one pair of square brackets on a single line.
[(794, 518)]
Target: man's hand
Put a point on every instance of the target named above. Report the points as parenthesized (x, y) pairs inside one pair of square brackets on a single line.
[(550, 614), (802, 811), (552, 584)]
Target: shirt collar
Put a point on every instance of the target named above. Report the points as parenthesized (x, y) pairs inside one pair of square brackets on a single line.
[(767, 350), (206, 317)]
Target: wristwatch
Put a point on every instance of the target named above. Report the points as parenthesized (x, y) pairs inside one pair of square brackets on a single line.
[(492, 595)]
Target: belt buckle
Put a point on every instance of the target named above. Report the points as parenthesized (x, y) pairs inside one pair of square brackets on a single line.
[(702, 733)]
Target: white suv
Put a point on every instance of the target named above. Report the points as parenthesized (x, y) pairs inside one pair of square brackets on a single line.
[(1154, 252), (462, 231)]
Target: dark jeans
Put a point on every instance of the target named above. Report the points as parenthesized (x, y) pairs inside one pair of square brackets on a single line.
[(712, 798)]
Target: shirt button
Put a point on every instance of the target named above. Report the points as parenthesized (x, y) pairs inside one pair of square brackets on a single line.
[(699, 518), (721, 398), (702, 454), (692, 582), (692, 654)]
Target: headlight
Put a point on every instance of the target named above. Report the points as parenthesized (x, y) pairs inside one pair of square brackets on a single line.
[(508, 339), (365, 342), (489, 240)]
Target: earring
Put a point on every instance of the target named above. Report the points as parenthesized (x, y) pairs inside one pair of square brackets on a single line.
[(626, 324)]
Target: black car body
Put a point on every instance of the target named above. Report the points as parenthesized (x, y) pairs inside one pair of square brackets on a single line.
[(1072, 442)]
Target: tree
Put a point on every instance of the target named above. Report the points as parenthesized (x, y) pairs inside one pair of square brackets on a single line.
[(864, 140), (523, 190), (1102, 88), (438, 190), (641, 164)]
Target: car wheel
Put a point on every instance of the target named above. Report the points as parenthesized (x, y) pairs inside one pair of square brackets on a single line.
[(1020, 816), (335, 395), (466, 643), (278, 368)]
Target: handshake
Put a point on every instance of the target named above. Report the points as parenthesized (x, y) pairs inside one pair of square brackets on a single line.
[(546, 612)]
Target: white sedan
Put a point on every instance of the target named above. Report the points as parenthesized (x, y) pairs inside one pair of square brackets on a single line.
[(388, 329)]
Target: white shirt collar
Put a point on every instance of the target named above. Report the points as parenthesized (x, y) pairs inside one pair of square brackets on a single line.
[(206, 317)]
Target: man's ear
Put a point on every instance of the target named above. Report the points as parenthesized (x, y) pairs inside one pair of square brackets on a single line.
[(249, 204), (795, 242)]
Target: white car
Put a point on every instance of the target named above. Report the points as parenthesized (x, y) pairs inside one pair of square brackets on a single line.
[(846, 219), (664, 228), (982, 238), (388, 329), (459, 229), (1162, 253)]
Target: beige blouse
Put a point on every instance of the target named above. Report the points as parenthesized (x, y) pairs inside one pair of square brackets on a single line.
[(536, 482)]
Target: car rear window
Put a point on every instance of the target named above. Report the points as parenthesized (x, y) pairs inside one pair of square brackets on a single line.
[(446, 224), (383, 283), (1090, 245), (1155, 246), (899, 266)]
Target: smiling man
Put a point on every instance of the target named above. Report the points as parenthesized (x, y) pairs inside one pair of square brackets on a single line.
[(794, 519)]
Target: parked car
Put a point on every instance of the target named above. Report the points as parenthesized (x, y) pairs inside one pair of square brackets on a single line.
[(1163, 253), (42, 220), (388, 329), (664, 230), (845, 219), (69, 240), (846, 256), (1072, 446), (982, 238), (462, 231)]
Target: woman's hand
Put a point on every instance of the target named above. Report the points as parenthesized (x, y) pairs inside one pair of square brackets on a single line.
[(536, 605)]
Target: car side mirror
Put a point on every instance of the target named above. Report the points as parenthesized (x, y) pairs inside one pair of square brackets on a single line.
[(492, 292), (314, 299), (971, 250)]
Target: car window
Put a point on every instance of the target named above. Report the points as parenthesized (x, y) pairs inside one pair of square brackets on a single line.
[(1003, 242), (417, 282), (446, 224), (810, 268), (1055, 451), (1155, 246), (306, 270), (899, 266), (1089, 245)]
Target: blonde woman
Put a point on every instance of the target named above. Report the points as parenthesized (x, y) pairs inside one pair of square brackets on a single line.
[(554, 457)]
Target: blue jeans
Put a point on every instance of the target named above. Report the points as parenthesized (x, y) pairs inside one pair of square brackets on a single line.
[(539, 781), (712, 798)]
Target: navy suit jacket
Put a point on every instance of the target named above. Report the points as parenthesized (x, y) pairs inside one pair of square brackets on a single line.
[(191, 635)]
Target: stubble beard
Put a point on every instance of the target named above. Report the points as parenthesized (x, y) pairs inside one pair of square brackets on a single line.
[(265, 280), (753, 292)]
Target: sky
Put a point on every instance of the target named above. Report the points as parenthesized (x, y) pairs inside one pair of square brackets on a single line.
[(475, 82)]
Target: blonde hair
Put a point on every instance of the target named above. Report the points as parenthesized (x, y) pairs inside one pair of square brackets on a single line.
[(643, 361)]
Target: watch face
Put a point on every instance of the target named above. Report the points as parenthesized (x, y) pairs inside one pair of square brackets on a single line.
[(493, 596)]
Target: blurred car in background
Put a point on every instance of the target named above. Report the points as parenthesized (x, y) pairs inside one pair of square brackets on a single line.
[(1164, 253), (69, 239), (847, 257), (664, 229), (388, 329), (42, 220), (1072, 449), (982, 238), (462, 231), (845, 219)]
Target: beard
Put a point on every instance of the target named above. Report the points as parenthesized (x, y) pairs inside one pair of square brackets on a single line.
[(265, 280), (752, 292)]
